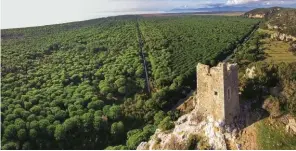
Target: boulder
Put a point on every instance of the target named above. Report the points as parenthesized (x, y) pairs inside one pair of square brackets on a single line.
[(250, 72), (142, 146), (291, 126)]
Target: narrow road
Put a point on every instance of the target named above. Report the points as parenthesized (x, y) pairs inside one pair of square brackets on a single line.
[(142, 55), (181, 101), (245, 40)]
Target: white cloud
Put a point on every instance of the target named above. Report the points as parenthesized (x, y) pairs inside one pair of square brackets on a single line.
[(22, 13), (237, 2), (263, 2)]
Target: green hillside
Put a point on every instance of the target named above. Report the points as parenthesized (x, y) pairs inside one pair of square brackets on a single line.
[(267, 12), (283, 18)]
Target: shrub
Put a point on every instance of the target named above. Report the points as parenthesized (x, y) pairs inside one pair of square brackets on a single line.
[(166, 124)]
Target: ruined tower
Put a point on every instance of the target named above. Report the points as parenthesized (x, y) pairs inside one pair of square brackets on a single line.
[(217, 91)]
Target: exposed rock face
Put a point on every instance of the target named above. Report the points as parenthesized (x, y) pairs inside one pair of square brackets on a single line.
[(283, 37), (262, 12), (184, 126), (280, 36), (256, 15), (192, 124), (291, 126), (290, 123)]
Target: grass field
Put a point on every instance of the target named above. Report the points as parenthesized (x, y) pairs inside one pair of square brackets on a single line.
[(271, 135), (276, 51)]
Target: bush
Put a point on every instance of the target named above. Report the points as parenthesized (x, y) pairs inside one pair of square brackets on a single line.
[(166, 124), (293, 48), (272, 105), (135, 137), (119, 147), (192, 142)]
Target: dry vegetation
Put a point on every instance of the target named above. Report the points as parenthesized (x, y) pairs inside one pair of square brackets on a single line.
[(277, 51), (248, 138)]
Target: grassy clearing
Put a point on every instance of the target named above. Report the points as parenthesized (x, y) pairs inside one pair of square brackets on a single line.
[(276, 51), (271, 135), (266, 31)]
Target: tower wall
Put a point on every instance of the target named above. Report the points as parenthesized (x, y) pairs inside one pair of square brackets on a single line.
[(231, 93), (217, 91)]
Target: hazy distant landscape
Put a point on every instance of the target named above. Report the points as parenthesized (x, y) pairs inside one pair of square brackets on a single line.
[(61, 19)]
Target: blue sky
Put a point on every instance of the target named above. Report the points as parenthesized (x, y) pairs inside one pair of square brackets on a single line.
[(24, 13)]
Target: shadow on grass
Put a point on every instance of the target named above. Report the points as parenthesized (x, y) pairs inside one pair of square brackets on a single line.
[(251, 112)]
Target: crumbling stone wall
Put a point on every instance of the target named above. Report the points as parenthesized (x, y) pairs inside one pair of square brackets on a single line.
[(217, 91)]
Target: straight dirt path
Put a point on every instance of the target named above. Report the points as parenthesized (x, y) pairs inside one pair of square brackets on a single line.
[(244, 41), (142, 55)]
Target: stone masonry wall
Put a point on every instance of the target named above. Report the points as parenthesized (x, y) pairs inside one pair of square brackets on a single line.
[(231, 101), (217, 91)]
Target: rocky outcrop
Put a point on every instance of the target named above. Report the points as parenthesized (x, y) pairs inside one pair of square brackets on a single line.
[(256, 15), (283, 37), (290, 123), (272, 27), (262, 12), (291, 126), (250, 72), (216, 110), (215, 132)]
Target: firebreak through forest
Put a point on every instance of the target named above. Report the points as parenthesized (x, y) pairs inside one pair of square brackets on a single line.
[(81, 85)]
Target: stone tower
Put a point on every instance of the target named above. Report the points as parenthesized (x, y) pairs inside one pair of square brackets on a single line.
[(217, 91)]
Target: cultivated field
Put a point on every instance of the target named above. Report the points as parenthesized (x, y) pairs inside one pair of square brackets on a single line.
[(277, 51)]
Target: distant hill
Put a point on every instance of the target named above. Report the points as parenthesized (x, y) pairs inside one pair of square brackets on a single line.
[(276, 18), (284, 21), (214, 9), (262, 12)]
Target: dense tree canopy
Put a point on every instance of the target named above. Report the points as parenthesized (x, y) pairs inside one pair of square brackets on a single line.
[(82, 85)]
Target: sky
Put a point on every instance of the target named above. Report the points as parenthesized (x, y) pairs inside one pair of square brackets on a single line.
[(26, 13)]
